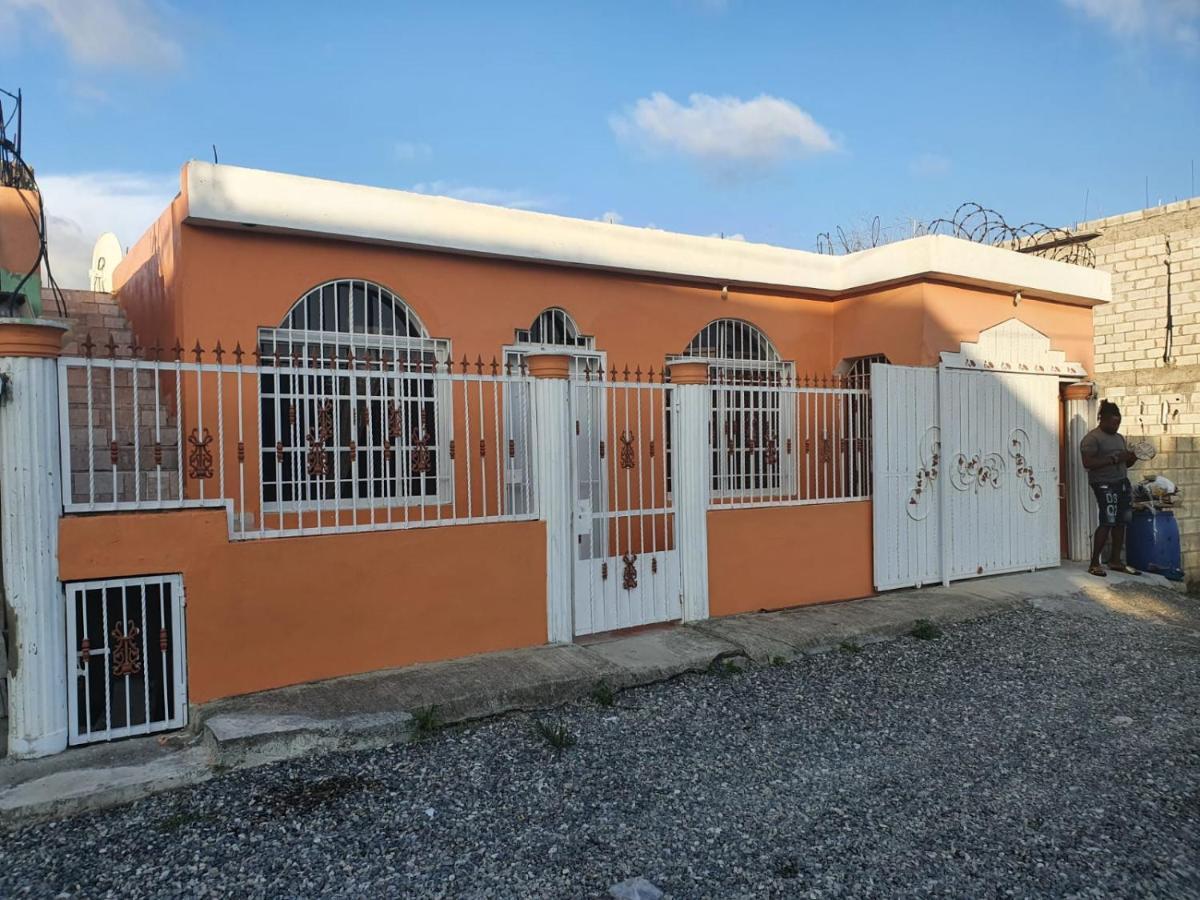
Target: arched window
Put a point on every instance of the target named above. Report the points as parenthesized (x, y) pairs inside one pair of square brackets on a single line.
[(348, 390), (856, 370), (348, 314), (554, 327), (750, 416), (740, 352)]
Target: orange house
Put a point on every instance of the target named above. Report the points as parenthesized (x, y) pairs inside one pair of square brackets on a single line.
[(362, 428)]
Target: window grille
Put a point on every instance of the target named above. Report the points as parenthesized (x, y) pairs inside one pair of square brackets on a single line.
[(857, 370), (126, 657), (368, 395), (554, 327), (746, 421)]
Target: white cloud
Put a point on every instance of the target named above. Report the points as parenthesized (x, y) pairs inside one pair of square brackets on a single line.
[(1175, 20), (728, 237), (929, 165), (408, 151), (515, 199), (102, 33), (724, 130), (82, 206), (612, 217)]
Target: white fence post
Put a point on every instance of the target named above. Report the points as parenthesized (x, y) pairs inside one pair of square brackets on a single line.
[(31, 504), (691, 464), (554, 483)]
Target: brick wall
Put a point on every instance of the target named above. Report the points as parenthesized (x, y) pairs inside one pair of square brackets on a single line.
[(1159, 399)]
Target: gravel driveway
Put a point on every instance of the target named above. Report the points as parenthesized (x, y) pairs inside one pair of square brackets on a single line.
[(1041, 752)]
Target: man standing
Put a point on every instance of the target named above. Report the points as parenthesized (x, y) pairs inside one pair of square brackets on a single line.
[(1107, 459)]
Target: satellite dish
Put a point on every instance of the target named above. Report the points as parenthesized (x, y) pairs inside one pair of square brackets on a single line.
[(105, 257)]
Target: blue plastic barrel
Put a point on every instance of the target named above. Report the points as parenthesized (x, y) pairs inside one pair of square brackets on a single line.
[(1153, 543)]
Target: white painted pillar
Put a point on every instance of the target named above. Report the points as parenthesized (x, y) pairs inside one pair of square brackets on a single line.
[(691, 480), (30, 509), (555, 486), (1080, 415)]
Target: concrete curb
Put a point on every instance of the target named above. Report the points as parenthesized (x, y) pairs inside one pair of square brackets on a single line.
[(374, 710)]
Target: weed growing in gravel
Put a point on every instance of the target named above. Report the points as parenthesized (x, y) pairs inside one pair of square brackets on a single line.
[(786, 867), (557, 735), (924, 630), (603, 694), (778, 661), (724, 668), (850, 647), (426, 721)]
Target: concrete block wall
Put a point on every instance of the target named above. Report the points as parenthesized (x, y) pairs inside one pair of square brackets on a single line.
[(1159, 398), (98, 315)]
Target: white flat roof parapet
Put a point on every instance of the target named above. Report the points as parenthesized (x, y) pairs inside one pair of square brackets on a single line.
[(233, 196)]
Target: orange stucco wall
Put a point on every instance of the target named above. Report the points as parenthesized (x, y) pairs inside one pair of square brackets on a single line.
[(912, 324), (207, 284), (148, 281), (18, 233), (268, 613), (788, 556)]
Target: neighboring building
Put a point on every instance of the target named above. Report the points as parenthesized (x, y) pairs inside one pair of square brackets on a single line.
[(1151, 370), (362, 428)]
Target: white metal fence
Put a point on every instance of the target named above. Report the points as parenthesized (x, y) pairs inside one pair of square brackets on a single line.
[(297, 444), (126, 657), (779, 443)]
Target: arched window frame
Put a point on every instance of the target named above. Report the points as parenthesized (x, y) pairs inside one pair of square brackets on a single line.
[(352, 371), (752, 412), (559, 326), (856, 370)]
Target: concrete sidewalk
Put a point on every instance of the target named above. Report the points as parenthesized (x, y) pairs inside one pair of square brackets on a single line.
[(377, 709)]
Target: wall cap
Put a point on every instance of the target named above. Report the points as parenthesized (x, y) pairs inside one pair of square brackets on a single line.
[(236, 197), (32, 337)]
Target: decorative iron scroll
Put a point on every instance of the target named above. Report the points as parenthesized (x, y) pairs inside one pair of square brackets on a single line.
[(325, 421), (126, 649), (978, 470), (395, 421), (929, 458), (317, 460), (771, 453), (1031, 496), (629, 575), (422, 459), (200, 461), (628, 458)]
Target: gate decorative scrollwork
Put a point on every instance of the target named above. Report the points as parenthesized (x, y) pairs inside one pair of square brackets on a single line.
[(628, 458), (126, 649), (930, 457), (629, 575), (1031, 495), (976, 471)]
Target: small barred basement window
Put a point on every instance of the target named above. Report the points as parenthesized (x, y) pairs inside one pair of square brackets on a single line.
[(126, 657)]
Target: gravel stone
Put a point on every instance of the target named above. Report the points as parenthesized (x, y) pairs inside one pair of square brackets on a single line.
[(982, 764)]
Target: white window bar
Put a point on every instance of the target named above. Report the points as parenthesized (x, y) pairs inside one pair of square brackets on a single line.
[(786, 444), (302, 488)]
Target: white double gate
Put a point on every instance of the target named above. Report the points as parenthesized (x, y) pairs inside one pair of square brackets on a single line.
[(966, 471), (627, 563)]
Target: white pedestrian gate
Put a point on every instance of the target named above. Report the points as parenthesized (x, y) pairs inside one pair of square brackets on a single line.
[(966, 460), (627, 563)]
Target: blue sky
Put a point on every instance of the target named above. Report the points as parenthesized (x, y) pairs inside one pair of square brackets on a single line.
[(772, 121)]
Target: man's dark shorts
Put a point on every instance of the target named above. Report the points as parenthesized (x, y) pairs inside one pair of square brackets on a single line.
[(1113, 500)]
